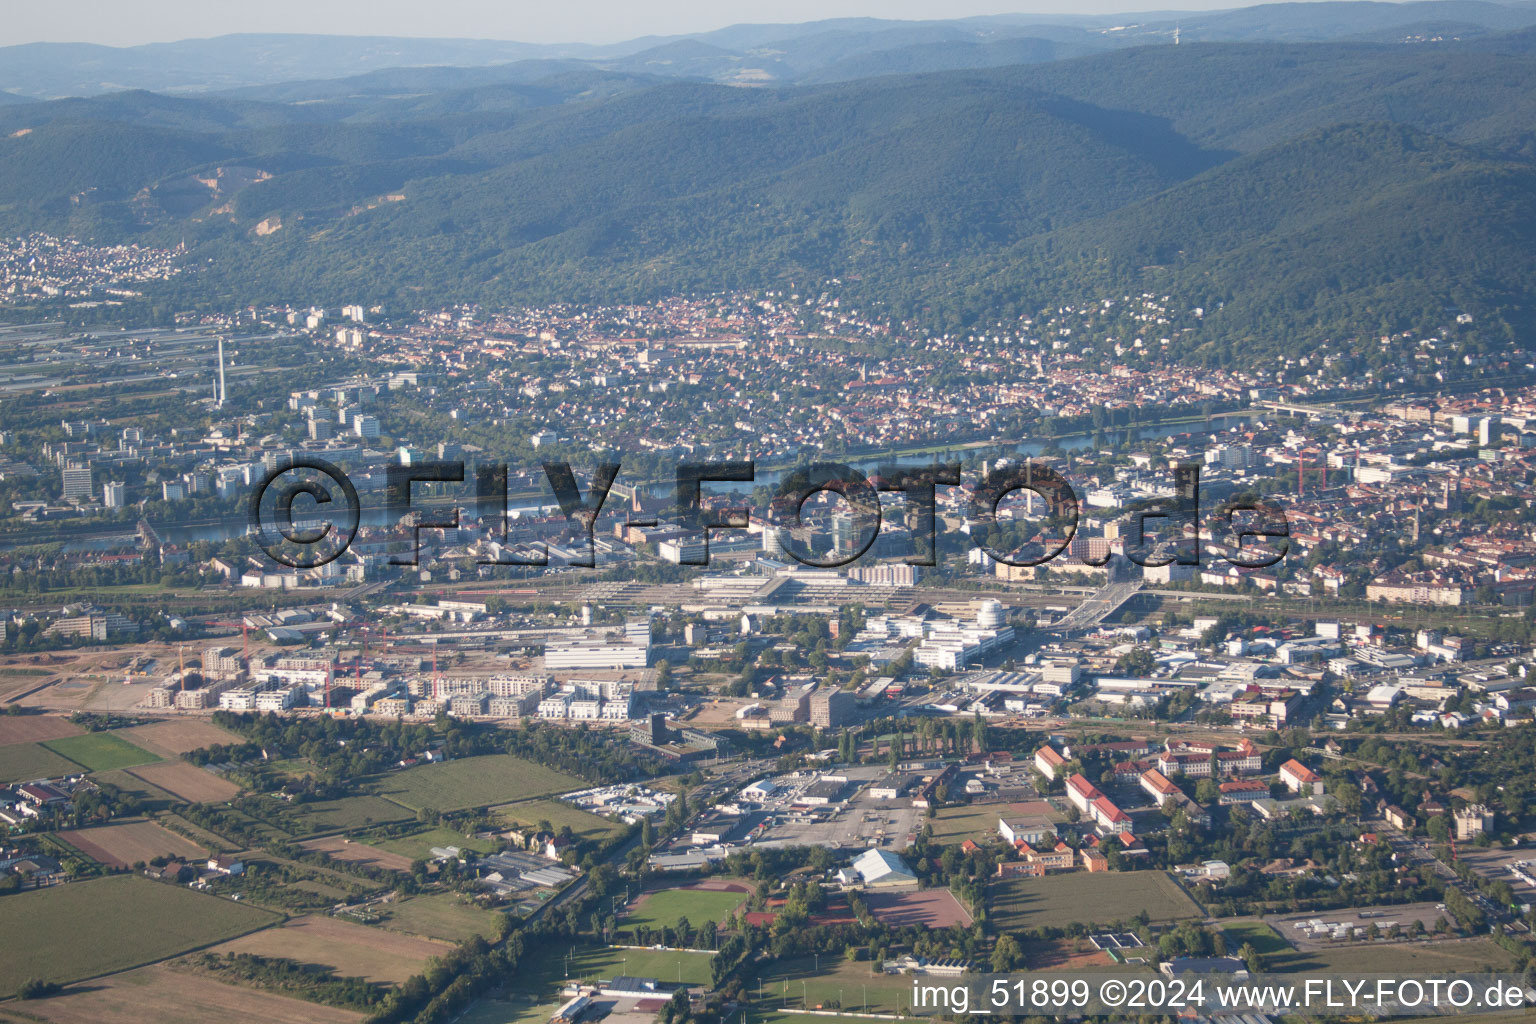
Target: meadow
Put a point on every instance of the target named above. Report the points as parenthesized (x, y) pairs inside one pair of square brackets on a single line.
[(474, 782), (84, 929), (442, 916), (23, 762)]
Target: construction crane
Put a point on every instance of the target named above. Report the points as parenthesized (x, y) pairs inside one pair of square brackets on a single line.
[(245, 637)]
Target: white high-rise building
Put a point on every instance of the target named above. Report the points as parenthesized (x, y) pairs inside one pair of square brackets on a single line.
[(77, 483), (114, 494)]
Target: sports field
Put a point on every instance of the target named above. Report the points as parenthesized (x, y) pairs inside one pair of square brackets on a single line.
[(931, 908), (1098, 898), (23, 762), (84, 929), (161, 995), (101, 751), (532, 994), (663, 908), (801, 983), (1260, 935), (601, 963), (474, 782)]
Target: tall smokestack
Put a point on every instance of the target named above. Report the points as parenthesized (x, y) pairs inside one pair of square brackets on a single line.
[(222, 393)]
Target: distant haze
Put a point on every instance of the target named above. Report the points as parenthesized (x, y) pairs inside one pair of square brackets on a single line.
[(119, 23)]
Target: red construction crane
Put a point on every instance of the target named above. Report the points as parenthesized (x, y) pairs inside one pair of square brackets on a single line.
[(245, 637)]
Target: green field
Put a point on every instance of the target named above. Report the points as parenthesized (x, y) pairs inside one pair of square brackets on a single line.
[(797, 984), (84, 929), (474, 782), (135, 786), (534, 989), (443, 916), (101, 751), (662, 909), (558, 813), (1460, 956), (23, 762), (1100, 898), (347, 812), (1263, 938), (418, 845), (511, 1009), (957, 824)]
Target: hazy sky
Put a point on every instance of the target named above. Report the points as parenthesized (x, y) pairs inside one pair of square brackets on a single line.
[(129, 22)]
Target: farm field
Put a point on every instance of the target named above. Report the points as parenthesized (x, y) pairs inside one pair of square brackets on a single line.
[(177, 823), (558, 813), (22, 762), (160, 995), (474, 782), (129, 843), (442, 916), (132, 784), (663, 908), (186, 781), (174, 738), (348, 812), (795, 984), (352, 950), (84, 929), (35, 728), (101, 751), (1427, 958), (1100, 898), (338, 848)]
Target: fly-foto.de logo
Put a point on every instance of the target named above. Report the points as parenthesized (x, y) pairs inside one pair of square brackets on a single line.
[(305, 512)]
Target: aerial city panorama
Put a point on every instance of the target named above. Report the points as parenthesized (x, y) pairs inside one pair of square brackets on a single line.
[(767, 513)]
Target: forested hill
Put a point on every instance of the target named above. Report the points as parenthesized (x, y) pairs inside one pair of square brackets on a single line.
[(1297, 190)]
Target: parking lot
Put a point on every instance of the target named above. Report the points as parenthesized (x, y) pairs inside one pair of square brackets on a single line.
[(1517, 867), (1325, 929)]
